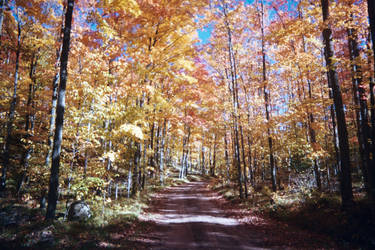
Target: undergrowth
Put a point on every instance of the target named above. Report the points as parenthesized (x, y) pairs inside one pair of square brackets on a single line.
[(310, 210), (115, 223)]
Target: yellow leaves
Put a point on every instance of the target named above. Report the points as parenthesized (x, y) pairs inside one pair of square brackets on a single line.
[(188, 78), (130, 130), (111, 156), (183, 63), (107, 29), (125, 5)]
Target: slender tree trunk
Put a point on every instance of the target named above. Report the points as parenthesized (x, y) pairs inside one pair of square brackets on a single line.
[(12, 110), (55, 86), (234, 90), (371, 12), (202, 157), (251, 172), (372, 101), (182, 167), (54, 178), (29, 122), (313, 142), (361, 112), (244, 162), (267, 104), (185, 151), (152, 162), (311, 119), (157, 148), (3, 6), (129, 184), (227, 157), (213, 166), (162, 145), (251, 168), (87, 154), (345, 173), (144, 164), (136, 165)]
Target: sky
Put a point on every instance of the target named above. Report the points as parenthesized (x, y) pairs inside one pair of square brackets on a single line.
[(205, 34)]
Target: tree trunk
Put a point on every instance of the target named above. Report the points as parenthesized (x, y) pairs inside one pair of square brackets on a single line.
[(361, 112), (345, 173), (234, 90), (267, 104), (244, 162), (311, 118), (54, 94), (226, 156), (313, 142), (202, 157), (371, 12), (29, 122), (372, 105), (213, 166), (152, 162), (12, 110), (136, 163), (156, 151), (54, 178), (3, 6), (251, 168), (162, 144), (129, 186)]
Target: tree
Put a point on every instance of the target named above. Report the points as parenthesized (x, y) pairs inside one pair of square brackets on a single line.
[(54, 178), (333, 82), (12, 109)]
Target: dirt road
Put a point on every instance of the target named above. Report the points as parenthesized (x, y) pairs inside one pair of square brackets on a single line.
[(189, 217)]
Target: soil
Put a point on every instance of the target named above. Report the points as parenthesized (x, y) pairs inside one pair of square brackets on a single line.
[(191, 216)]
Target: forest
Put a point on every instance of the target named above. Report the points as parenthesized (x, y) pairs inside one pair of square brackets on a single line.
[(115, 113)]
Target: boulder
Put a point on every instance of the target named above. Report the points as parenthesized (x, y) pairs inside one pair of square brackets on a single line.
[(79, 211), (40, 238)]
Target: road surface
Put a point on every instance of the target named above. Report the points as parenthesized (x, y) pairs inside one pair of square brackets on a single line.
[(188, 217)]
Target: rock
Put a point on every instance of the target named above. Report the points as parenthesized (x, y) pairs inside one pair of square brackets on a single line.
[(42, 237), (79, 211)]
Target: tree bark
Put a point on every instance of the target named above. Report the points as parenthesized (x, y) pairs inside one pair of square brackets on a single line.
[(345, 173), (55, 86), (29, 122), (371, 13), (267, 104), (244, 162), (3, 6), (226, 157), (213, 166), (54, 177), (162, 145), (361, 113), (202, 157), (234, 92)]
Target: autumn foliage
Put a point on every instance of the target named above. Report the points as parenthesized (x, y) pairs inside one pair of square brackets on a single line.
[(254, 104)]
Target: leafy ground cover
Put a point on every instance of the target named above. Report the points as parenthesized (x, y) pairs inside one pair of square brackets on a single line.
[(117, 225), (316, 212)]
